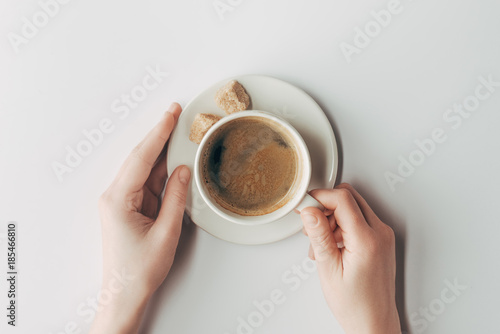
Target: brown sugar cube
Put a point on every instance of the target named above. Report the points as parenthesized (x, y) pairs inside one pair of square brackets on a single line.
[(232, 97), (201, 124)]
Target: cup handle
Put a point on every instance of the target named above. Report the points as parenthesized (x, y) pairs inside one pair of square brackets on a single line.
[(309, 201)]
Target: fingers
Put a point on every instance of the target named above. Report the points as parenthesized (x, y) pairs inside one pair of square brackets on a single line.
[(347, 213), (367, 211), (138, 165), (158, 176), (169, 221), (311, 253), (320, 234), (150, 204), (337, 234), (337, 231)]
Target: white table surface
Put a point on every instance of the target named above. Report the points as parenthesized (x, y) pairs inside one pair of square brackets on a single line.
[(393, 92)]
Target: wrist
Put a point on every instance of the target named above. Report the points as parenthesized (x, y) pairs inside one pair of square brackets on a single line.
[(387, 325), (369, 323), (120, 310)]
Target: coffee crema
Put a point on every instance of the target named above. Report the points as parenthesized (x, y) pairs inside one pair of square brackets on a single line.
[(250, 166)]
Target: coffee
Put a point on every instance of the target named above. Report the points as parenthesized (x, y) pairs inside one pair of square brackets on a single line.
[(250, 166)]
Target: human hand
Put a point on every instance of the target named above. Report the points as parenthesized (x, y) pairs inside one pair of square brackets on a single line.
[(358, 280), (140, 233)]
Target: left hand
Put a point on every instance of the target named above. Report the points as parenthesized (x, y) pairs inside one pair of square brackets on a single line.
[(140, 233)]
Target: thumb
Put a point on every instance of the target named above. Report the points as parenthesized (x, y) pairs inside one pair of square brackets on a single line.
[(321, 236), (169, 221)]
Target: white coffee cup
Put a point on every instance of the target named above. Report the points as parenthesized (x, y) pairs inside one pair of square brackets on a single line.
[(300, 200)]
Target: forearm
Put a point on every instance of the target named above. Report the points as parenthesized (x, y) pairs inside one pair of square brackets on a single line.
[(389, 325), (382, 323), (122, 314)]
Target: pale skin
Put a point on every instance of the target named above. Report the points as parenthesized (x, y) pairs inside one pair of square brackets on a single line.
[(141, 233), (358, 280)]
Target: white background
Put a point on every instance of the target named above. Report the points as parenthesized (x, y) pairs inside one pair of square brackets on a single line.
[(395, 91)]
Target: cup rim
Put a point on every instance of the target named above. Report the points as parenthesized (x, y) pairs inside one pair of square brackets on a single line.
[(276, 214)]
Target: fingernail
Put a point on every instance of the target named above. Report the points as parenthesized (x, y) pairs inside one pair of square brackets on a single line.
[(311, 253), (309, 220), (184, 175), (169, 110)]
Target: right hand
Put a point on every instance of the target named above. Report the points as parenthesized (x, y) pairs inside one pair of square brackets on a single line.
[(358, 280)]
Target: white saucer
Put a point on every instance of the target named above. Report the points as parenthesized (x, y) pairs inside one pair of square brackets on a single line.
[(280, 98)]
